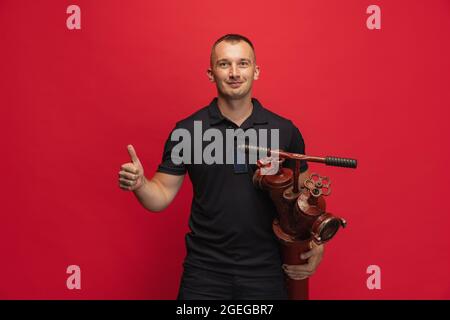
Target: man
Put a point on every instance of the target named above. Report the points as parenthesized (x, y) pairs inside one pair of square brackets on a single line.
[(232, 252)]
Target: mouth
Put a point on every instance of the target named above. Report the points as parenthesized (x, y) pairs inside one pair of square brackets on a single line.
[(234, 84)]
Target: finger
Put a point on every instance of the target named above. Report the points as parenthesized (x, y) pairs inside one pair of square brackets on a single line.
[(133, 154), (296, 267), (127, 175), (126, 188), (309, 254), (299, 273), (129, 167), (298, 276), (307, 268), (127, 182)]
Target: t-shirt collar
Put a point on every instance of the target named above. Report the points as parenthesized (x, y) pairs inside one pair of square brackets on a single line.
[(258, 115)]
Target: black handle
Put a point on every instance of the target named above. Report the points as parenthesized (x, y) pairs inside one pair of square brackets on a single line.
[(340, 162)]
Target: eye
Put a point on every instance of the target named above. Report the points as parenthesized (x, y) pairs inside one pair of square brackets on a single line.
[(244, 63), (223, 64)]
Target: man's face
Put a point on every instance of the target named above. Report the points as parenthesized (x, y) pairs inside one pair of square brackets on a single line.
[(233, 69)]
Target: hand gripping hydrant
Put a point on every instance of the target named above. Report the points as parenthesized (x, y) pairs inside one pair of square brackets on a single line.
[(302, 218)]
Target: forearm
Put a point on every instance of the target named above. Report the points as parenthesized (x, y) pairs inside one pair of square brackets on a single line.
[(151, 195)]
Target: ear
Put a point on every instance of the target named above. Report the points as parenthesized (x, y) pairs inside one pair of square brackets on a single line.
[(256, 73), (210, 75)]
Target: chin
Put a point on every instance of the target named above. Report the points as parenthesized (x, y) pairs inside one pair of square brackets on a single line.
[(236, 95), (231, 94)]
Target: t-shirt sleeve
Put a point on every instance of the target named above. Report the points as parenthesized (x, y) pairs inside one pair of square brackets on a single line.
[(167, 164), (297, 145)]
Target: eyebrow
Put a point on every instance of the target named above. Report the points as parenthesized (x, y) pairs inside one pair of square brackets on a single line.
[(226, 60)]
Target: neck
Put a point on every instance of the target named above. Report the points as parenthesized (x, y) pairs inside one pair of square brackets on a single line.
[(237, 110)]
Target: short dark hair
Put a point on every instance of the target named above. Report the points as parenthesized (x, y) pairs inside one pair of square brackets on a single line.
[(233, 38)]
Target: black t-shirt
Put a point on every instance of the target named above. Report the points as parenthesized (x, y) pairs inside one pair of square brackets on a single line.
[(231, 220)]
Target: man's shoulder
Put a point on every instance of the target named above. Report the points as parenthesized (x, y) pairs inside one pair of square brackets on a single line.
[(275, 117), (277, 120), (188, 122)]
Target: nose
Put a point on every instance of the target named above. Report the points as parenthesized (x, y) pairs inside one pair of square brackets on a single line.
[(234, 71)]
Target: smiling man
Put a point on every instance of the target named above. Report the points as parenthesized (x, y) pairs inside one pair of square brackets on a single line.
[(232, 252)]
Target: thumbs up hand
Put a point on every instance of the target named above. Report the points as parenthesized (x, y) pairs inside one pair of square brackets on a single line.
[(131, 175)]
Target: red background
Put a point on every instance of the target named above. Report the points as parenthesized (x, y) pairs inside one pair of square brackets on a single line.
[(71, 100)]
